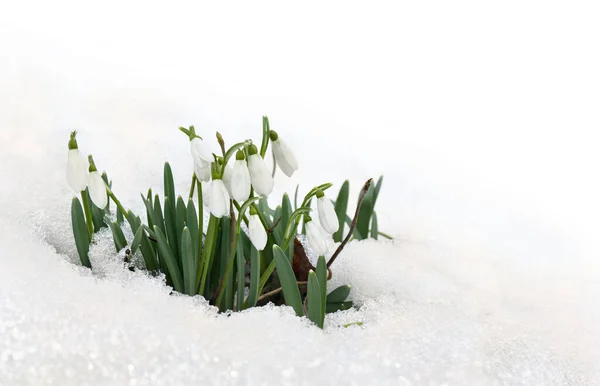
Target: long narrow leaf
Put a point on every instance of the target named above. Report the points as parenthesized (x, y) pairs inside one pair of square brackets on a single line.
[(80, 232), (315, 311), (171, 229), (341, 209), (254, 276), (321, 273), (169, 259), (192, 223), (291, 293), (364, 215), (137, 239), (148, 253), (188, 262), (118, 236), (374, 226), (241, 273)]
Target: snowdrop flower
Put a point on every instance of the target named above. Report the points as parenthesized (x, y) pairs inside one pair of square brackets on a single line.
[(219, 199), (327, 216), (202, 158), (283, 155), (97, 186), (256, 231), (261, 178), (202, 170), (200, 150), (315, 237), (77, 168), (240, 179)]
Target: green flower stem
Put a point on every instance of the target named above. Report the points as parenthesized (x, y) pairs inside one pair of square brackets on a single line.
[(265, 137), (88, 214), (194, 179), (117, 203), (207, 252), (200, 217), (230, 261)]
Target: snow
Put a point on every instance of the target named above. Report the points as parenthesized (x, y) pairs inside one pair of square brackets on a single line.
[(481, 118)]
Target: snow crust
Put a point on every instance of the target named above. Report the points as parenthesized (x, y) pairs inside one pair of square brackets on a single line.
[(492, 278)]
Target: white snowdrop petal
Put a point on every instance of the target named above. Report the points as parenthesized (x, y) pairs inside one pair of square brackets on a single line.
[(260, 175), (219, 199), (327, 216), (227, 177), (316, 239), (206, 193), (98, 190), (240, 181), (257, 233), (286, 160), (77, 171), (201, 150), (202, 170)]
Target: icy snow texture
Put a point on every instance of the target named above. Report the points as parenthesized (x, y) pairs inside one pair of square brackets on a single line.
[(479, 118)]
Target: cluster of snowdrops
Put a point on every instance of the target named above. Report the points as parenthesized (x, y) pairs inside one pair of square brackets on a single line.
[(246, 254)]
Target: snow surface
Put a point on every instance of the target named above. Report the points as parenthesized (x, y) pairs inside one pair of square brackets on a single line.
[(481, 118)]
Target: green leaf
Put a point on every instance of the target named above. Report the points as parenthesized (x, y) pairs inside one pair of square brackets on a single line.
[(118, 236), (374, 228), (241, 273), (377, 189), (335, 307), (291, 293), (315, 311), (339, 294), (341, 208), (137, 239), (169, 259), (254, 276), (321, 272), (224, 259), (188, 262), (148, 253), (296, 197), (192, 224), (171, 229), (157, 216), (120, 218), (149, 208), (80, 232), (181, 215), (169, 186), (361, 231)]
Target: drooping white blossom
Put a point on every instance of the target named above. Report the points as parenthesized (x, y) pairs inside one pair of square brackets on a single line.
[(286, 160), (327, 216), (260, 175), (219, 199), (257, 232), (239, 185), (77, 167), (315, 237), (97, 188)]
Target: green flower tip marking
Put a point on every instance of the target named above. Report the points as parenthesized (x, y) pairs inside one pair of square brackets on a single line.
[(273, 135), (73, 141), (239, 156), (252, 149), (92, 164)]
